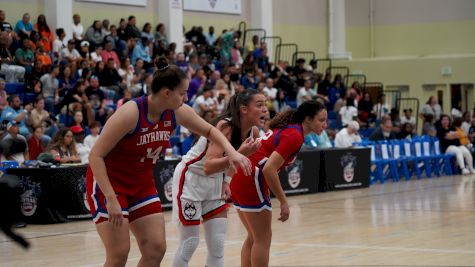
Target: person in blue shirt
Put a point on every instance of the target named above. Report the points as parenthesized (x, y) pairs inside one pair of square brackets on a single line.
[(141, 51), (24, 27), (313, 140), (14, 112)]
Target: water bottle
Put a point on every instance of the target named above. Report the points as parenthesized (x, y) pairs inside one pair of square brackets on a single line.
[(176, 152)]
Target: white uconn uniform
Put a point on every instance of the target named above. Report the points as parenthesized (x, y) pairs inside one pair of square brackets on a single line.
[(196, 195)]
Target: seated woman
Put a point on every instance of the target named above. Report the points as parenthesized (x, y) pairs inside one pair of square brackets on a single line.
[(450, 143), (63, 147)]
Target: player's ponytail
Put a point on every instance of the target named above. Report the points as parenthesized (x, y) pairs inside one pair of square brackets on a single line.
[(307, 109)]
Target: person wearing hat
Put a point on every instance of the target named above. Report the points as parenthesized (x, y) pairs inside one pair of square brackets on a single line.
[(81, 148), (70, 54), (15, 146), (349, 135), (84, 51)]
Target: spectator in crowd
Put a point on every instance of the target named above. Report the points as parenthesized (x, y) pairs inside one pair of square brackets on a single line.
[(45, 32), (13, 73), (96, 56), (81, 148), (210, 37), (349, 112), (349, 135), (70, 54), (384, 131), (97, 100), (466, 122), (105, 27), (23, 27), (94, 34), (365, 110), (324, 88), (38, 115), (3, 96), (471, 133), (63, 147), (432, 107), (125, 99), (109, 77), (78, 29), (59, 45), (7, 27), (91, 139), (131, 30), (126, 71), (306, 92), (428, 128), (196, 84), (248, 80), (205, 101), (335, 92), (463, 138), (394, 114), (109, 53), (50, 88), (35, 143), (24, 56), (408, 118), (450, 143), (147, 32), (160, 34), (14, 112), (142, 51), (271, 93), (381, 109), (313, 140), (84, 52), (78, 119), (407, 131), (15, 146)]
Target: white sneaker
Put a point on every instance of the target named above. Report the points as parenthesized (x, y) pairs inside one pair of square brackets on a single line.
[(465, 171)]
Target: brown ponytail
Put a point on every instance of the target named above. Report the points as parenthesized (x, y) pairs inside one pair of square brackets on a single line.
[(307, 109)]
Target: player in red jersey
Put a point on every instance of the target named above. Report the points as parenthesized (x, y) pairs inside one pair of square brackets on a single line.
[(120, 185), (200, 184), (250, 193)]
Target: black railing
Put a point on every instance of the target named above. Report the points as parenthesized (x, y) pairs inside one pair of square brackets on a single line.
[(260, 33), (307, 55), (351, 78), (342, 70), (323, 64), (285, 52)]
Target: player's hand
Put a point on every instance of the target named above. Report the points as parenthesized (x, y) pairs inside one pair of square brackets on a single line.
[(237, 160), (115, 211), (249, 146), (225, 191), (284, 212)]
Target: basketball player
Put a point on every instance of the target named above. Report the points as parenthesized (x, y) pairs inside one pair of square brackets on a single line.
[(250, 193), (120, 186), (200, 188)]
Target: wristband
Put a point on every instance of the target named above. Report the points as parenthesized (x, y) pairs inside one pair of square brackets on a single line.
[(228, 179)]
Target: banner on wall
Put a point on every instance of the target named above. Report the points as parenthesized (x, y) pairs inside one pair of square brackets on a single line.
[(214, 6), (119, 2)]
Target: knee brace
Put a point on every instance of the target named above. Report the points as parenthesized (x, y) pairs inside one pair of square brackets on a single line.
[(189, 240), (215, 232), (188, 247)]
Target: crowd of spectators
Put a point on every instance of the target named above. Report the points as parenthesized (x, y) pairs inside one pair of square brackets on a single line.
[(77, 82)]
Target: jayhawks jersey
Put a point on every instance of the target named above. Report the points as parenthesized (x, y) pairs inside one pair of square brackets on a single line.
[(130, 162), (286, 141)]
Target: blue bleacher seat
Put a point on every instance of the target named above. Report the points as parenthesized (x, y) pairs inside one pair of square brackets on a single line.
[(15, 88)]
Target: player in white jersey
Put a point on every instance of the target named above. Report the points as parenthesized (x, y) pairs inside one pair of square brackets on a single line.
[(201, 180)]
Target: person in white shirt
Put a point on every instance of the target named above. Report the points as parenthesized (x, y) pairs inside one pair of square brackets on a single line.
[(59, 44), (204, 102), (70, 53), (96, 56), (78, 29), (81, 148), (347, 136), (91, 139), (349, 112), (270, 91), (306, 92), (381, 109), (408, 118)]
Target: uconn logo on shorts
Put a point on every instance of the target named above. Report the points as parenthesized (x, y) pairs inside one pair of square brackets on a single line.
[(189, 210)]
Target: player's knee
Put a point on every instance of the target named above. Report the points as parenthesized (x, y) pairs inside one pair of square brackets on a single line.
[(118, 256), (217, 246), (188, 247), (153, 250)]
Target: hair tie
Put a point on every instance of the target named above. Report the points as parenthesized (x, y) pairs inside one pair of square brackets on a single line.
[(164, 68)]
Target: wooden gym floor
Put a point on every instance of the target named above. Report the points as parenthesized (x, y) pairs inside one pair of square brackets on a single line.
[(416, 223)]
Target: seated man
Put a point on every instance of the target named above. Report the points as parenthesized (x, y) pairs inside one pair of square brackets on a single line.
[(349, 135), (15, 146), (14, 112), (384, 131)]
